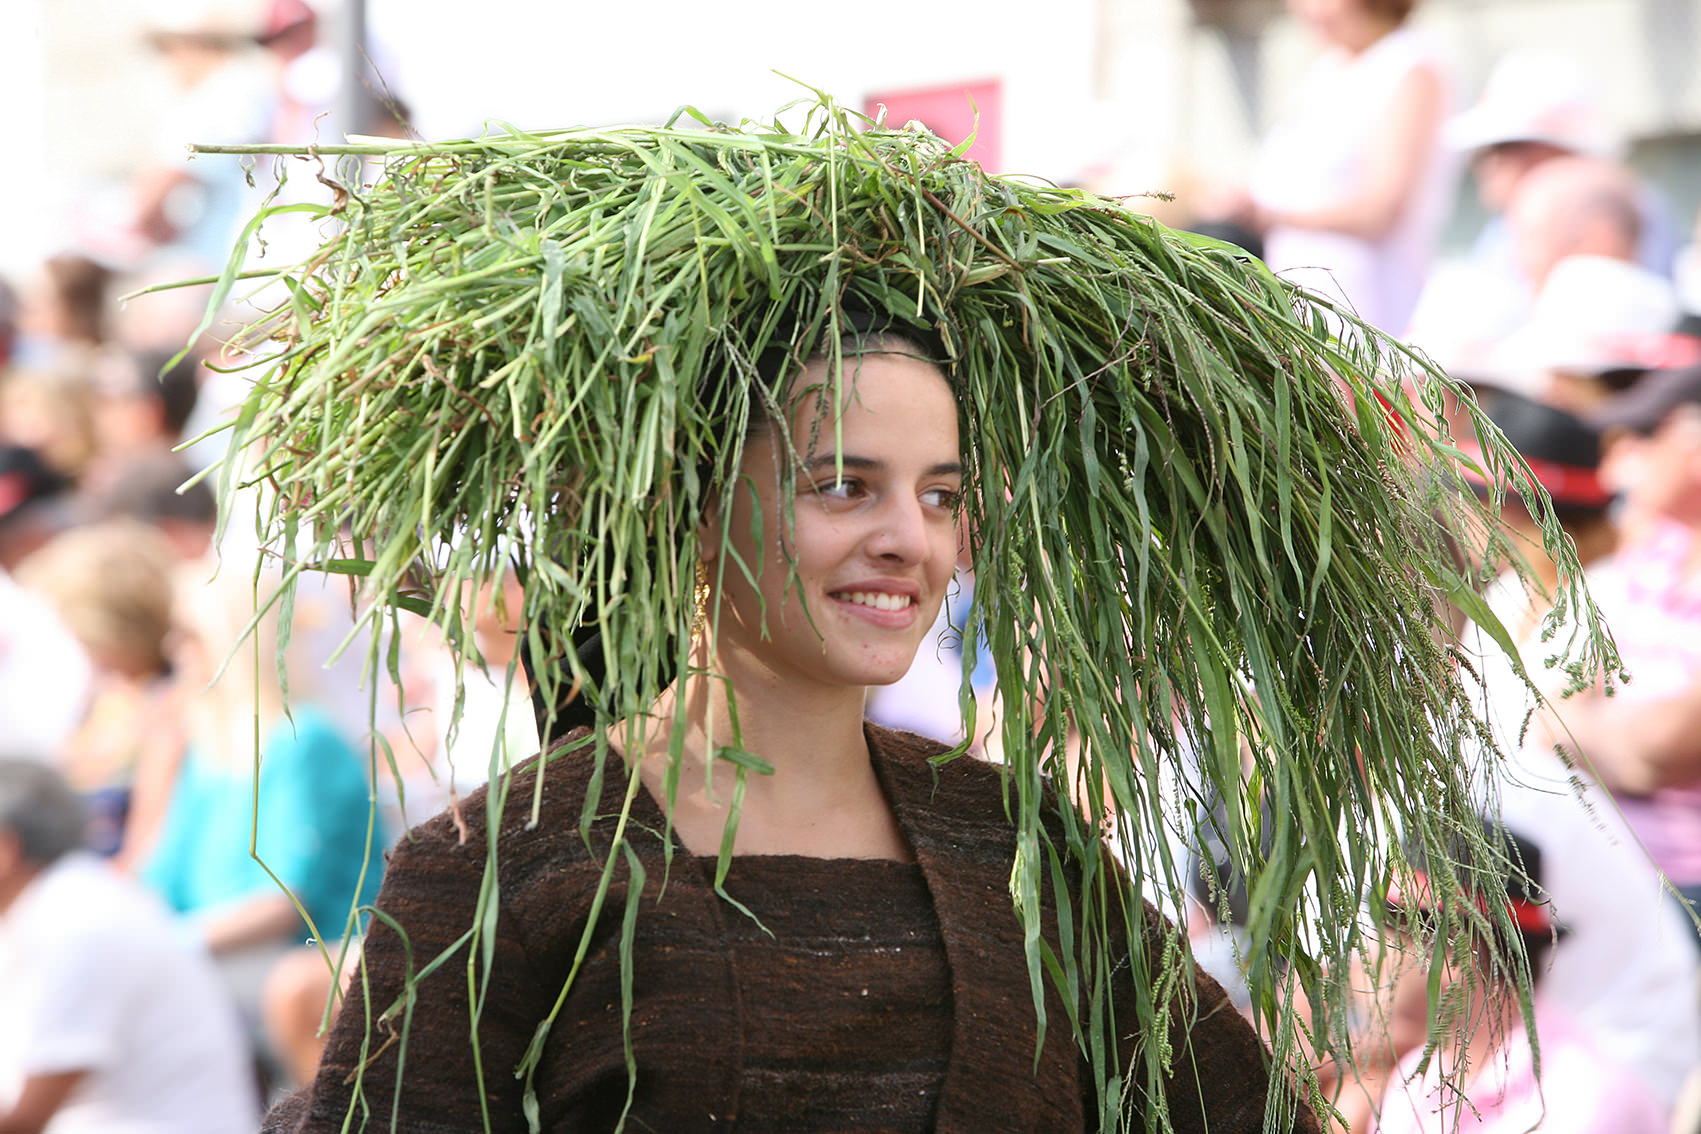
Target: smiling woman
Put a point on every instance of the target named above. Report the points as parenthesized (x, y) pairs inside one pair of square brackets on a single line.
[(841, 538), (864, 974), (857, 504), (810, 363)]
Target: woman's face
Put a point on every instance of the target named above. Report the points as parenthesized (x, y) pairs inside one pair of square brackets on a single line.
[(873, 546)]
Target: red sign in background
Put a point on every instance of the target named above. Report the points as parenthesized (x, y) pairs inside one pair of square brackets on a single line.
[(954, 112)]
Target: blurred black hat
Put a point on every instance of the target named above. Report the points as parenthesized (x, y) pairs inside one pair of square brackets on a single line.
[(1562, 450), (1519, 866), (1643, 406), (25, 479)]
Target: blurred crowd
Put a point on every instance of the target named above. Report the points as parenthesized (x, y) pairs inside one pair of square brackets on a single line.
[(147, 889), (1572, 318), (183, 843)]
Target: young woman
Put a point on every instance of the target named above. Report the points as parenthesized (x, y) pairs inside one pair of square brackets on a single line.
[(728, 901), (861, 967)]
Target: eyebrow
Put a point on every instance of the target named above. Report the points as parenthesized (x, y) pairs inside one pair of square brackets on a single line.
[(944, 468)]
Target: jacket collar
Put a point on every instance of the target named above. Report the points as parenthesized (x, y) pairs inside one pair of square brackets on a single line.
[(954, 816)]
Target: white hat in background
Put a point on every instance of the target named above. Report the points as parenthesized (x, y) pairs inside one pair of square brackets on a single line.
[(1534, 95), (1595, 314), (1465, 310)]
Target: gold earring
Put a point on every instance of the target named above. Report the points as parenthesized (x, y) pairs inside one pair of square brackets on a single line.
[(700, 616)]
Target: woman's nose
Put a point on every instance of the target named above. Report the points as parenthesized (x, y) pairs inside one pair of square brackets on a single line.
[(900, 533)]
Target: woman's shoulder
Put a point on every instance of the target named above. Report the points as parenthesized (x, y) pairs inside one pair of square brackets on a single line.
[(917, 768), (942, 785), (1408, 50), (539, 810)]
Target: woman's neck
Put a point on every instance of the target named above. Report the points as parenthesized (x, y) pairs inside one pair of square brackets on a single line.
[(822, 798)]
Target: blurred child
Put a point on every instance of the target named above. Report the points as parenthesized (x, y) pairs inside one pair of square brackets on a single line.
[(111, 583)]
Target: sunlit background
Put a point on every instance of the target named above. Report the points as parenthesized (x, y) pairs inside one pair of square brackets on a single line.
[(1130, 96)]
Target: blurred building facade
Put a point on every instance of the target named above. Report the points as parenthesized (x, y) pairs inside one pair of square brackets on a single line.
[(1129, 96), (1223, 66)]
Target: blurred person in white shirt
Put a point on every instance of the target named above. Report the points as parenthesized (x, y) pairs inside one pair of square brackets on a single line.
[(114, 1022)]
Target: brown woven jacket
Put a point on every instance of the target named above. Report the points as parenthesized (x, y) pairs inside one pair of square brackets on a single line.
[(685, 1015)]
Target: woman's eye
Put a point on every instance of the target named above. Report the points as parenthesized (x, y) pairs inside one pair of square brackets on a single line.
[(846, 489), (946, 498)]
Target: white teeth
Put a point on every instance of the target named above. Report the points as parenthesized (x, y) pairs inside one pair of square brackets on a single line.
[(877, 599)]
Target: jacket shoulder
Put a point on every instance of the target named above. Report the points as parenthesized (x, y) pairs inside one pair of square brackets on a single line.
[(537, 807)]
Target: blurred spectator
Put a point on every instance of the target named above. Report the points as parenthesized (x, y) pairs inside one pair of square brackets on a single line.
[(1597, 320), (1686, 274), (496, 729), (309, 73), (314, 812), (112, 1022), (1625, 973), (147, 403), (111, 583), (1545, 158), (293, 1006), (1581, 1088), (153, 488), (1351, 186), (139, 410), (1538, 105), (44, 674), (9, 314), (51, 413), (437, 759), (123, 622), (1599, 324), (159, 322), (63, 317), (32, 500), (1572, 206), (1644, 742), (223, 96)]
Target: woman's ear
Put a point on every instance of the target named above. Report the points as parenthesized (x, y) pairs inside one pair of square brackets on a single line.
[(709, 533)]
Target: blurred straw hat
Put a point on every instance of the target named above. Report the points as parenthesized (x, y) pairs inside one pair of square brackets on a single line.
[(1595, 315), (1534, 95)]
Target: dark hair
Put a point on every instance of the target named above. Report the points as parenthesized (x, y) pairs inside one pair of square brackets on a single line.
[(148, 488), (40, 809), (26, 479), (178, 386), (79, 288), (864, 329), (1396, 10)]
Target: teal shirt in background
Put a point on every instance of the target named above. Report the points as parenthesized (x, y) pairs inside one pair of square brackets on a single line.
[(312, 827)]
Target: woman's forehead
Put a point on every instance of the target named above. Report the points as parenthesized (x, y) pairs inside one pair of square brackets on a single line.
[(883, 396)]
